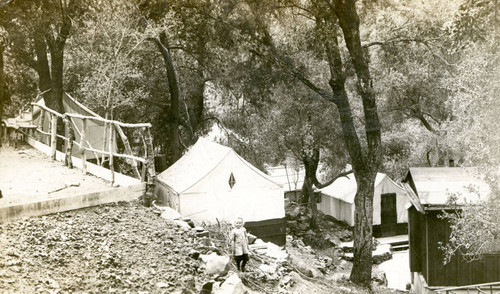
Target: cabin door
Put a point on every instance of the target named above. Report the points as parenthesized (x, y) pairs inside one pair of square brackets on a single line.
[(388, 214)]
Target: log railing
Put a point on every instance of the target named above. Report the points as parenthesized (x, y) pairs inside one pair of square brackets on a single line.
[(84, 145)]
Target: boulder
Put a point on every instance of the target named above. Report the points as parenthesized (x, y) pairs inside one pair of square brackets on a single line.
[(169, 213), (194, 254), (378, 277), (207, 288), (232, 285), (182, 224), (215, 264)]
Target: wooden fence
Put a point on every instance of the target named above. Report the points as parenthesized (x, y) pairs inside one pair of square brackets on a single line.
[(147, 174)]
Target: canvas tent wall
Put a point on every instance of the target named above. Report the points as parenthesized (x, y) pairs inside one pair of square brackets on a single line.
[(97, 136), (389, 203), (212, 182)]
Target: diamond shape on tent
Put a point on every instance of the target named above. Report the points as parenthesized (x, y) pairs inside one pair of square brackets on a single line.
[(232, 181)]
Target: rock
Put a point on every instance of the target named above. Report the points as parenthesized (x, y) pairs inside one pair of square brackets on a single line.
[(207, 288), (382, 253), (202, 234), (299, 243), (194, 254), (333, 240), (305, 267), (182, 224), (349, 256), (189, 221), (199, 229), (291, 224), (378, 277), (162, 285), (231, 285), (251, 238), (205, 242), (269, 271), (295, 212), (215, 264), (169, 213)]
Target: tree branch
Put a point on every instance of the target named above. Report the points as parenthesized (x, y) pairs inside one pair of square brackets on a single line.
[(328, 183)]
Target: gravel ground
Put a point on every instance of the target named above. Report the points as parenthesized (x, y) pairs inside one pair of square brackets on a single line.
[(118, 248)]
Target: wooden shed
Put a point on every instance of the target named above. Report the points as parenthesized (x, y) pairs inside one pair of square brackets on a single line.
[(429, 190)]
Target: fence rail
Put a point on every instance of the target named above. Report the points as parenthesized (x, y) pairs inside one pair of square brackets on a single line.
[(84, 145)]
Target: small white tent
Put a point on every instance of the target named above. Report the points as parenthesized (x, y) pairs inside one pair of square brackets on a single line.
[(389, 203), (212, 182)]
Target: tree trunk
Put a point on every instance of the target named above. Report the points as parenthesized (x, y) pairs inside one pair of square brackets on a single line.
[(175, 147), (311, 166), (365, 164), (42, 63), (363, 229), (2, 92)]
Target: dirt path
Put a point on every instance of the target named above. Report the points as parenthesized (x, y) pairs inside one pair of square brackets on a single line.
[(27, 175)]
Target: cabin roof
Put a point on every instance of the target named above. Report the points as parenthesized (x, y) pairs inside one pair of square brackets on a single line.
[(435, 185)]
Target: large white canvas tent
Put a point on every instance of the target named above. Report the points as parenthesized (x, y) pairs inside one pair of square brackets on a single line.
[(96, 135), (389, 203), (212, 182)]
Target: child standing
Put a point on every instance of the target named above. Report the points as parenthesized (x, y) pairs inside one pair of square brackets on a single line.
[(239, 242)]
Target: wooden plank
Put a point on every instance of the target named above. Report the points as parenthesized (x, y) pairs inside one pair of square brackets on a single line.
[(126, 125)]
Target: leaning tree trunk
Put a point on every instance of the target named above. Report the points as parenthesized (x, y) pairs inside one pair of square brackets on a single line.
[(173, 85)]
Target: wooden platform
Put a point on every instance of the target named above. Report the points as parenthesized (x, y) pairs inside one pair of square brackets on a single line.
[(399, 242)]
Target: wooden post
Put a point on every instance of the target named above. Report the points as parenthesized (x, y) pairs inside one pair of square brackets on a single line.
[(40, 125), (53, 136), (111, 167), (150, 162), (68, 161), (83, 154), (126, 144)]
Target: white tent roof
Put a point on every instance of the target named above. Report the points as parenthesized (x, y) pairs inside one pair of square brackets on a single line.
[(345, 188), (200, 160), (291, 178)]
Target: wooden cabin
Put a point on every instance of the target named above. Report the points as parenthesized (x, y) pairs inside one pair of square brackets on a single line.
[(429, 190)]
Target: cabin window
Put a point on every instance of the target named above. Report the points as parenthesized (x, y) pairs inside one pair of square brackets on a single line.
[(231, 181)]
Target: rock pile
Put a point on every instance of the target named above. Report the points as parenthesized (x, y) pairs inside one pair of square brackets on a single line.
[(329, 233)]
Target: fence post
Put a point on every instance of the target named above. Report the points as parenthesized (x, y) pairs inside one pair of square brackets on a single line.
[(150, 167), (83, 154), (128, 149), (53, 136), (68, 161), (111, 161)]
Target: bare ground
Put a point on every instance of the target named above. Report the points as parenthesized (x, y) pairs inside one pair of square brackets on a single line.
[(27, 175)]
